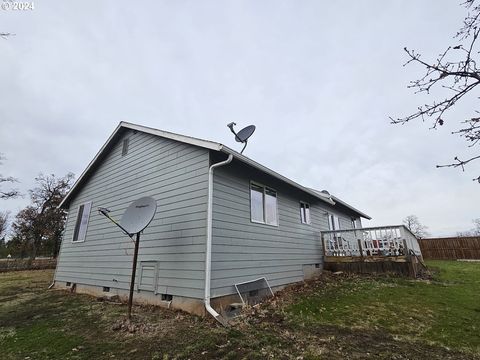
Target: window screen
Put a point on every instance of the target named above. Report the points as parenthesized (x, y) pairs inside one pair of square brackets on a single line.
[(271, 207), (333, 222), (354, 223), (81, 224), (263, 205), (256, 203)]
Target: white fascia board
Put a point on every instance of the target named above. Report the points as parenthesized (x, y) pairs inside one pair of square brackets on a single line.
[(177, 137), (123, 124), (351, 207), (208, 145)]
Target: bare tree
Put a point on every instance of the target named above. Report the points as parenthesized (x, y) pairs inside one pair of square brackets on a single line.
[(473, 232), (415, 226), (455, 70), (11, 193), (40, 225), (4, 215), (476, 230)]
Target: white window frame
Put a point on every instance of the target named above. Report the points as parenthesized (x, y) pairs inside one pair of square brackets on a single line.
[(354, 222), (85, 218), (264, 204), (331, 222), (304, 219)]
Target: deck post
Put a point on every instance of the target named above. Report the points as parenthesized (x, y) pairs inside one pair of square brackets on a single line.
[(405, 247), (360, 248), (324, 246), (412, 272)]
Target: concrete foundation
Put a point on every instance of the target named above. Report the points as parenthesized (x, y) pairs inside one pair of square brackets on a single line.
[(191, 305)]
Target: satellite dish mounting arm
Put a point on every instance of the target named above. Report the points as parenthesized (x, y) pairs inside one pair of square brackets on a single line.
[(135, 219), (230, 126), (244, 146), (104, 212)]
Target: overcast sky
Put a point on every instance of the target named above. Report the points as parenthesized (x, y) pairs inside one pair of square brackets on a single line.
[(318, 79)]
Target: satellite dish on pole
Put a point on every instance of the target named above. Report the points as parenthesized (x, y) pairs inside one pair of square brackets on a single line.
[(135, 219), (243, 135), (138, 215)]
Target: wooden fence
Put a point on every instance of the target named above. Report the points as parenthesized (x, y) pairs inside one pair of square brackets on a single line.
[(451, 248), (27, 264)]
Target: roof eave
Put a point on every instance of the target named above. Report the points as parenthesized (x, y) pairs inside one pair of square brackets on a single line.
[(208, 145), (263, 168), (90, 165), (123, 124), (169, 135), (352, 208)]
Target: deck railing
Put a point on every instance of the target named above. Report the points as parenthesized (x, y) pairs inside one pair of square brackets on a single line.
[(395, 240)]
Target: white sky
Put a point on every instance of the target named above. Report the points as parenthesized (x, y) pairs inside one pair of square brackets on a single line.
[(318, 79)]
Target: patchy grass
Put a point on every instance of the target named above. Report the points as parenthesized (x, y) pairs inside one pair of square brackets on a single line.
[(335, 317), (444, 311)]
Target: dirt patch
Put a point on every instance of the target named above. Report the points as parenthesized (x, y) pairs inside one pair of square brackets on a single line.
[(60, 325)]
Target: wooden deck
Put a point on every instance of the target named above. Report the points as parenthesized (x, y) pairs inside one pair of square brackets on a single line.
[(387, 249), (409, 266)]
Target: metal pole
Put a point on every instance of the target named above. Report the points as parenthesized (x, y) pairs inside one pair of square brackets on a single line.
[(132, 281)]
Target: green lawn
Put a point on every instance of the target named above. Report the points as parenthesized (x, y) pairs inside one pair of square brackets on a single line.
[(334, 317), (445, 310)]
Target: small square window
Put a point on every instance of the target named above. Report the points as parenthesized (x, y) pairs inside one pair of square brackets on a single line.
[(305, 213), (106, 289)]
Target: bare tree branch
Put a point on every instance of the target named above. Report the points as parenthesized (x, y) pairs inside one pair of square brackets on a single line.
[(459, 162), (416, 227), (11, 193), (4, 217), (456, 71), (6, 35)]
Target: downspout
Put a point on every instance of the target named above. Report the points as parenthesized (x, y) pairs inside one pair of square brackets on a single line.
[(208, 251)]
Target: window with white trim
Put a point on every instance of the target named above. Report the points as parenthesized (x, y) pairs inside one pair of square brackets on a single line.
[(354, 223), (333, 222), (305, 213), (263, 204), (81, 224)]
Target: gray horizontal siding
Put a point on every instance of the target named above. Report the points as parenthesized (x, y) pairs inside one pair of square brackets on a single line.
[(243, 250), (173, 173)]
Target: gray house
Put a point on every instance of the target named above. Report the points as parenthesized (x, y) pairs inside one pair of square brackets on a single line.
[(221, 219)]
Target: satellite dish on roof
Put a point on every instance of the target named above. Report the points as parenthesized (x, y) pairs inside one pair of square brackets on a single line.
[(139, 214), (243, 135)]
